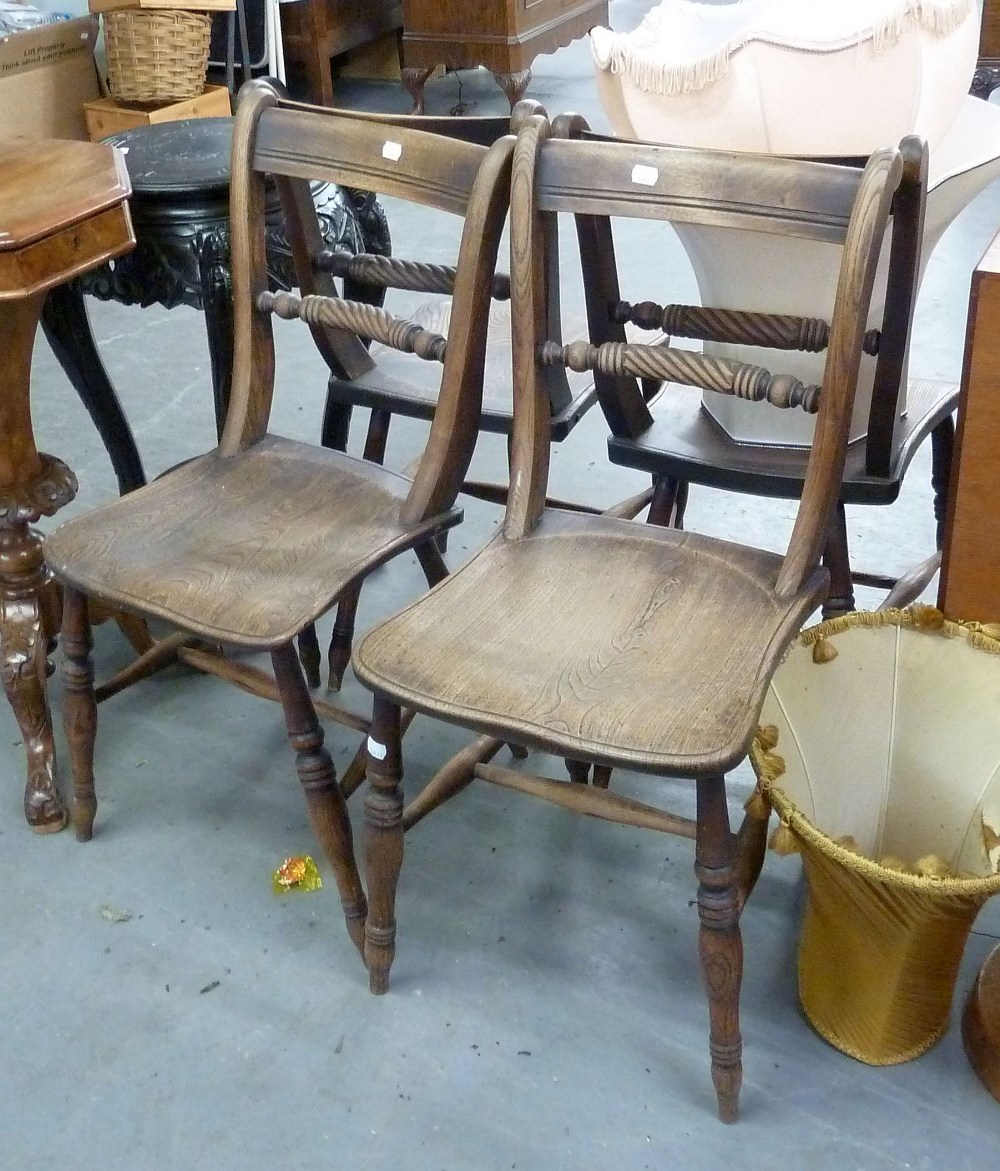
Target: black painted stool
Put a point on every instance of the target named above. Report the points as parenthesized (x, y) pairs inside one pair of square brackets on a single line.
[(180, 210)]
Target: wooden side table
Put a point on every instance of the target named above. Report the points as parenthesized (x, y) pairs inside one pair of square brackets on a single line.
[(62, 211), (970, 570), (504, 35)]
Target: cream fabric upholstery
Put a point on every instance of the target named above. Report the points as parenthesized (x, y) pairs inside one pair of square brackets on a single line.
[(789, 76)]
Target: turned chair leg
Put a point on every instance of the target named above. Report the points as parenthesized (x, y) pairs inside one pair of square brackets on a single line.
[(339, 653), (79, 708), (836, 557), (720, 944), (324, 800), (383, 841)]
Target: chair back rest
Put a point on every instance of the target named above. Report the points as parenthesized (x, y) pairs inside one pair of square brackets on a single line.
[(809, 200), (293, 145), (484, 130), (622, 400)]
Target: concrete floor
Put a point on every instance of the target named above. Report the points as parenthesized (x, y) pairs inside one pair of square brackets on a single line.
[(547, 1009)]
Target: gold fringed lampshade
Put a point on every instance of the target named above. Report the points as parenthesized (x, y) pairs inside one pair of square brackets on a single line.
[(880, 751)]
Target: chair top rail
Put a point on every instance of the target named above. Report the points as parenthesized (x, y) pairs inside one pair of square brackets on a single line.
[(397, 161), (761, 193)]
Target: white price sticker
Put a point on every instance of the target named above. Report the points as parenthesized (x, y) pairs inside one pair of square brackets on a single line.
[(392, 151), (377, 750), (647, 176)]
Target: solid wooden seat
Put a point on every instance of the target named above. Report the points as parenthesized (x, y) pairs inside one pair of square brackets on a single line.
[(666, 674), (605, 641), (252, 542), (236, 549), (685, 442), (676, 441)]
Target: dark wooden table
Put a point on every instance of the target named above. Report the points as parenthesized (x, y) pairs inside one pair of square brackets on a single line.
[(970, 570), (504, 35), (63, 211)]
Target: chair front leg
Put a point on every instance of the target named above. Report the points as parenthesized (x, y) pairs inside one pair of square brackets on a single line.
[(79, 708), (720, 944), (324, 800), (383, 840)]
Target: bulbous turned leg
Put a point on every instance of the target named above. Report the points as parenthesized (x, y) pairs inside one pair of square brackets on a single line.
[(23, 669), (79, 709), (324, 800), (514, 84), (383, 841), (720, 944), (414, 81)]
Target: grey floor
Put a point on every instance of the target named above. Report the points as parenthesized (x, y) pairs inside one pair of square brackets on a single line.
[(546, 1009)]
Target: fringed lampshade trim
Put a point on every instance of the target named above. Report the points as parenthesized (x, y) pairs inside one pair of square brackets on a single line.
[(639, 56)]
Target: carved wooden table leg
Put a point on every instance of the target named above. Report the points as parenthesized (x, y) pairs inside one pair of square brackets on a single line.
[(31, 485), (514, 84)]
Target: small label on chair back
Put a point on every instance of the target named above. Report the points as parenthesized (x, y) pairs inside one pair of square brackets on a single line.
[(392, 151), (647, 176)]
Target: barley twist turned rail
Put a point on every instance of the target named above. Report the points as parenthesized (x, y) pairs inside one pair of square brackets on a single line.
[(412, 275), (660, 362), (779, 331), (366, 320)]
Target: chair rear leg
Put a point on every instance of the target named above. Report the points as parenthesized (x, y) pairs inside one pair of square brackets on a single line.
[(324, 800), (840, 599), (79, 709), (720, 944), (664, 505), (383, 840), (942, 446), (339, 654)]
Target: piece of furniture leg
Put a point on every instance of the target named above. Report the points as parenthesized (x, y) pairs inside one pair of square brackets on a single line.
[(79, 709), (720, 944), (324, 800), (67, 330), (383, 841)]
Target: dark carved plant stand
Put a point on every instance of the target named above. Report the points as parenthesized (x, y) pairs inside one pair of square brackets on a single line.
[(180, 210)]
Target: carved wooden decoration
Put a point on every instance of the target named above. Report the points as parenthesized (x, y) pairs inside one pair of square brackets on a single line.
[(64, 213)]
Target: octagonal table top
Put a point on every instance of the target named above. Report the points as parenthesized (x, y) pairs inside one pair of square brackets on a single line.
[(46, 186)]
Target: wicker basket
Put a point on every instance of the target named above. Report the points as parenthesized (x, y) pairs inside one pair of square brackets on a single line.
[(879, 753), (156, 56)]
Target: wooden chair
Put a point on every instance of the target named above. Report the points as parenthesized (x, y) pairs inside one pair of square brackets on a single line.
[(247, 545), (393, 383), (661, 662), (676, 441)]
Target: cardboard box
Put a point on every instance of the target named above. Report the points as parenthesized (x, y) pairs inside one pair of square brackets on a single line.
[(106, 116), (46, 74)]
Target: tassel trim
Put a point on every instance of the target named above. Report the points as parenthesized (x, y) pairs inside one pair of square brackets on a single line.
[(638, 56)]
